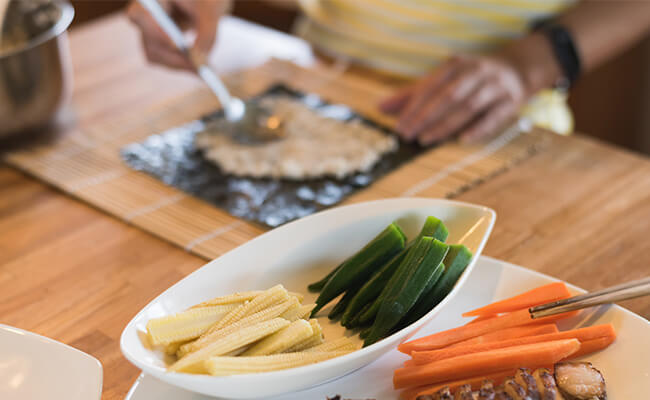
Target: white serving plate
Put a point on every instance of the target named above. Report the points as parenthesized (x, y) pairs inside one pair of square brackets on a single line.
[(297, 254), (33, 367), (625, 364)]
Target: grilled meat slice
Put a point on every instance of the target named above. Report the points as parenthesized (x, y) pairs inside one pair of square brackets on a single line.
[(445, 394), (526, 381), (515, 390), (487, 390), (500, 393), (572, 381), (442, 394), (546, 385), (580, 381), (464, 392)]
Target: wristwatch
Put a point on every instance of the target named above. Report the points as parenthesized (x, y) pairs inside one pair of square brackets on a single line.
[(566, 52)]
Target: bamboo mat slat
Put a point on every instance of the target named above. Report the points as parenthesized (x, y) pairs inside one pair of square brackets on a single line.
[(86, 163)]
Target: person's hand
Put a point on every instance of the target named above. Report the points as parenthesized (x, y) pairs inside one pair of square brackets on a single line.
[(199, 16), (471, 97)]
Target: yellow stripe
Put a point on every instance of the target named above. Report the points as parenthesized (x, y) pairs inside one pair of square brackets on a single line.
[(376, 48), (409, 26), (543, 6), (334, 45), (515, 7), (413, 35), (366, 35), (434, 14)]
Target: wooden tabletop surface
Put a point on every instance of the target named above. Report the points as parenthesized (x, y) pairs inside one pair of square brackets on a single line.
[(579, 210)]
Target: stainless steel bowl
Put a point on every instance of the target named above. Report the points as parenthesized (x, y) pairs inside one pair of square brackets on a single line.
[(35, 74)]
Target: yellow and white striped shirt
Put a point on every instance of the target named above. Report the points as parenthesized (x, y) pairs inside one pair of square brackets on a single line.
[(411, 37)]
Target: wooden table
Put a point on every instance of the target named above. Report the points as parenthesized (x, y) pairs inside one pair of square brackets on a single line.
[(579, 211)]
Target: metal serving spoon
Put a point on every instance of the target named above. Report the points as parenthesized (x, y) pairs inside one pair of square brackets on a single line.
[(248, 122)]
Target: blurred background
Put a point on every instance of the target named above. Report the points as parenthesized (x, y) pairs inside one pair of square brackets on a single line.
[(612, 103)]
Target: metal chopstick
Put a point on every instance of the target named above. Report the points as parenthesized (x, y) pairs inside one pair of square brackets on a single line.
[(612, 294), (599, 292)]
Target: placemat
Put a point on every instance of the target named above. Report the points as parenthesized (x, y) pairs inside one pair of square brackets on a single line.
[(173, 157), (87, 164)]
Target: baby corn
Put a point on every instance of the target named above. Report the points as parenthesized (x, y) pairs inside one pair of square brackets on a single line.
[(298, 296), (305, 311), (340, 344), (262, 315), (220, 366), (185, 325), (276, 294), (314, 340), (281, 340), (292, 313), (194, 362), (213, 334), (306, 344), (172, 348), (240, 297), (298, 312)]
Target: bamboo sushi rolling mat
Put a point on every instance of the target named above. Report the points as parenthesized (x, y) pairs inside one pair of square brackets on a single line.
[(87, 164)]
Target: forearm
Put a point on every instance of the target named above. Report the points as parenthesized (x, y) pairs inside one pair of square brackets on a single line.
[(604, 29), (601, 30)]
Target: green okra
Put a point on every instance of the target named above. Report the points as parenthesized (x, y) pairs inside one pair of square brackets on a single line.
[(423, 263), (362, 264), (370, 290), (457, 259)]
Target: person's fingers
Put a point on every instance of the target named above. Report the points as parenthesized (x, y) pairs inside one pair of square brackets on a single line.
[(494, 119), (397, 101), (160, 53), (158, 48), (204, 18), (149, 28), (422, 90), (206, 30), (442, 100), (463, 114)]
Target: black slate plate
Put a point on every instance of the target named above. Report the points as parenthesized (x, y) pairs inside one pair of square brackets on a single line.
[(171, 157)]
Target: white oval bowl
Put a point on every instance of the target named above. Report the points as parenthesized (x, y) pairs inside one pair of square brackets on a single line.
[(296, 254)]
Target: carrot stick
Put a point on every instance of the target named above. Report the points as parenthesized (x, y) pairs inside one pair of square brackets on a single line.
[(445, 338), (482, 363), (509, 333), (592, 346), (480, 318), (475, 382), (541, 295), (584, 335)]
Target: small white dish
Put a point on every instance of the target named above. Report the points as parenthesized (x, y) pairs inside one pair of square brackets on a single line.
[(625, 364), (295, 255), (33, 367)]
